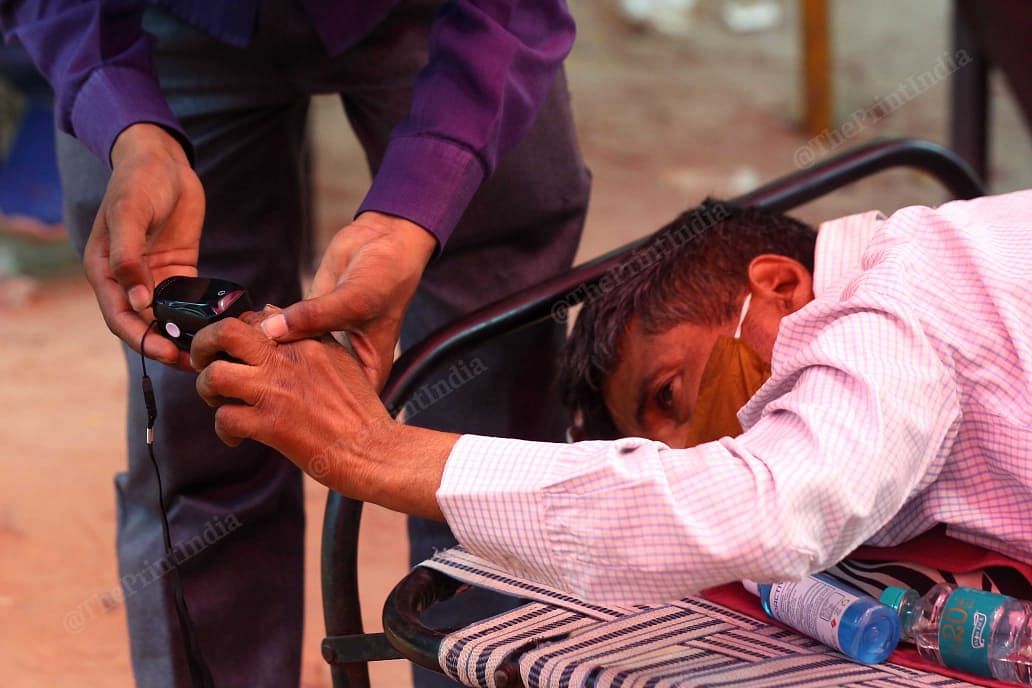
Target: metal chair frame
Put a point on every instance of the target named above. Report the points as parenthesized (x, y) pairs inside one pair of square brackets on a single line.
[(346, 648)]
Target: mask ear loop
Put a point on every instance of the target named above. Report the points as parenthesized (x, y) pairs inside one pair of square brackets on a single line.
[(741, 316)]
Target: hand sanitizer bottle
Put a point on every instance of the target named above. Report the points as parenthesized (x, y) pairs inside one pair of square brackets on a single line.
[(836, 614)]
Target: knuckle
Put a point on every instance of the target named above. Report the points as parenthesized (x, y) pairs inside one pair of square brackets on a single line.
[(217, 329), (251, 318), (123, 263), (228, 422), (223, 423), (364, 303), (232, 325), (212, 335), (234, 330), (124, 211), (94, 270), (202, 387), (214, 375)]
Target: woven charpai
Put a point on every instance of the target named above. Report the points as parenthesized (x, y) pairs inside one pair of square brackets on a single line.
[(558, 641)]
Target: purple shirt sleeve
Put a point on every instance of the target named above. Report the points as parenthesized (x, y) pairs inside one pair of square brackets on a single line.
[(99, 61), (491, 65)]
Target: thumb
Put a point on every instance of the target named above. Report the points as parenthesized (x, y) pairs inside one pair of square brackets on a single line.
[(330, 312)]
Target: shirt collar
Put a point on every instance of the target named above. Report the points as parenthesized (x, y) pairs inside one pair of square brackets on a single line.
[(840, 246)]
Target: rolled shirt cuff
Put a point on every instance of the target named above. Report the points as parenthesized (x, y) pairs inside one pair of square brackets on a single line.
[(427, 180), (112, 99)]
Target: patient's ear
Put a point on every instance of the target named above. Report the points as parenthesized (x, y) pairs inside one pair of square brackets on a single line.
[(783, 281)]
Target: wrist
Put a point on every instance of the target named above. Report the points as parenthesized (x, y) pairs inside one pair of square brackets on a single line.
[(144, 138), (405, 464), (418, 241)]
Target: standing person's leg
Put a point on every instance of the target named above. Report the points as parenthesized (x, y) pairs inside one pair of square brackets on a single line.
[(237, 513), (522, 227)]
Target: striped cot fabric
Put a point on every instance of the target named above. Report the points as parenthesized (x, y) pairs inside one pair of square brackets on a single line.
[(872, 577), (558, 641)]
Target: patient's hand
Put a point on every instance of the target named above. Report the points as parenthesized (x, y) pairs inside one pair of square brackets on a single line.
[(307, 399), (311, 401)]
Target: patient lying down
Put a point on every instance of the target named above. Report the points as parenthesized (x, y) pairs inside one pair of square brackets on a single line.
[(783, 397), (644, 360)]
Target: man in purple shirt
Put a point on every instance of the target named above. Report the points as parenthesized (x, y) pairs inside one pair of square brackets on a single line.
[(183, 151)]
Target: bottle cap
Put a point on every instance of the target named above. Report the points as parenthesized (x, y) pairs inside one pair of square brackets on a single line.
[(893, 596), (879, 637)]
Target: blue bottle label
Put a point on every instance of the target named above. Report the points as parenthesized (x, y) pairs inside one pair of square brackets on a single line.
[(964, 629), (813, 606)]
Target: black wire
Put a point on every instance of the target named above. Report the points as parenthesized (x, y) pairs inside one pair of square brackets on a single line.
[(200, 675)]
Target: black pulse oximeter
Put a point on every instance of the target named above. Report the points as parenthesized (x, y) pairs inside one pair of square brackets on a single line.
[(184, 305)]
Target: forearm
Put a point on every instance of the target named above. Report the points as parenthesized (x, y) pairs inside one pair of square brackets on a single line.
[(98, 61), (619, 522), (402, 470), (831, 460), (491, 66)]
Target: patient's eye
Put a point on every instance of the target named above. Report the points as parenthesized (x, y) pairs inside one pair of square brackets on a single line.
[(665, 397)]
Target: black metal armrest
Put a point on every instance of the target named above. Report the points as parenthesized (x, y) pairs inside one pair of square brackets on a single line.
[(418, 591), (535, 304)]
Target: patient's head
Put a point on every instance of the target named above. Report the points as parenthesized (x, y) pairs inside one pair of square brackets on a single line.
[(665, 320)]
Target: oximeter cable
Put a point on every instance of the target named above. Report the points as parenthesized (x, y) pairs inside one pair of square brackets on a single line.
[(200, 676)]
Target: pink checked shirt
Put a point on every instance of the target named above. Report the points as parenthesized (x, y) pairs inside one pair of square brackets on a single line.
[(900, 397)]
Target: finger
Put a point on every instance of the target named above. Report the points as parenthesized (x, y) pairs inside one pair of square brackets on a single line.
[(231, 336), (122, 320), (126, 220), (255, 318), (235, 423), (374, 354), (224, 380), (341, 309), (252, 318), (324, 282), (182, 361)]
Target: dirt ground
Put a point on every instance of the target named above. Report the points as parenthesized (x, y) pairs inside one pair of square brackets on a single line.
[(663, 122)]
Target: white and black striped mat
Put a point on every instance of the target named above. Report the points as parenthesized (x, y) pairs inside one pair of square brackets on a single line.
[(557, 641)]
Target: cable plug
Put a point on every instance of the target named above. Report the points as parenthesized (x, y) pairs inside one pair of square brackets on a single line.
[(152, 407)]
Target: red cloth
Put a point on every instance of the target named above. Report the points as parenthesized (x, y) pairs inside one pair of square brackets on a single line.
[(934, 549), (937, 550)]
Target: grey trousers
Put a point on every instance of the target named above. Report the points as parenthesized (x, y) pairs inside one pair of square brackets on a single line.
[(245, 110)]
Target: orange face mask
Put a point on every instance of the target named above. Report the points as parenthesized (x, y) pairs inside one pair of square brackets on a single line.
[(733, 373)]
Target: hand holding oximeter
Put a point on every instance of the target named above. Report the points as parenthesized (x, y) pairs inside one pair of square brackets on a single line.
[(184, 305)]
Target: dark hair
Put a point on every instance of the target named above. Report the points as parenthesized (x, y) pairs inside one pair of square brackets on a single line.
[(691, 271)]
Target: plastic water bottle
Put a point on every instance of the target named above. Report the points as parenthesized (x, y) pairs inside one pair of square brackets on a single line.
[(836, 614), (983, 633)]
